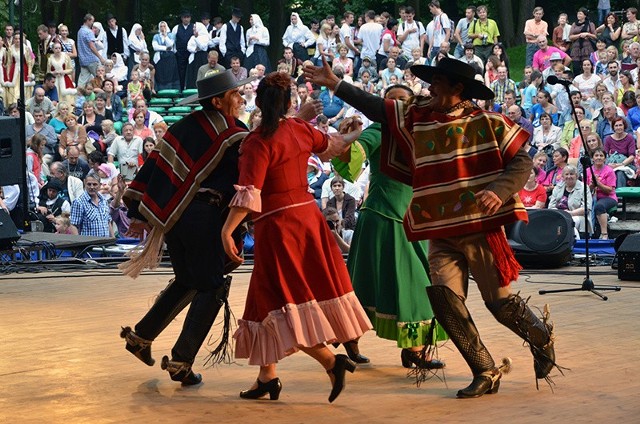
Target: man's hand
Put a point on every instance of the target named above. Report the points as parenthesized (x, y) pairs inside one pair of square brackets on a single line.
[(310, 110), (230, 248), (488, 202), (137, 228), (321, 75)]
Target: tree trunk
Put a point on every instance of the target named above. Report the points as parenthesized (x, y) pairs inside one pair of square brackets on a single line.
[(524, 13), (278, 22), (505, 20)]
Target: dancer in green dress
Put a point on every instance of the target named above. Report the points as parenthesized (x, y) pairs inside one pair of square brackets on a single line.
[(388, 272)]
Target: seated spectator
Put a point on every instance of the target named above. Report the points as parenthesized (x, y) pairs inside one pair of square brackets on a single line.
[(159, 129), (365, 83), (333, 107), (291, 64), (113, 101), (576, 149), (604, 186), (134, 89), (335, 222), (570, 129), (546, 137), (366, 66), (211, 67), (540, 160), (99, 79), (59, 116), (77, 166), (39, 126), (90, 213), (316, 178), (633, 114), (147, 147), (40, 101), (390, 70), (151, 117), (491, 70), (50, 89), (35, 162), (84, 94), (255, 118), (126, 149), (63, 225), (470, 56), (569, 197), (96, 159), (544, 104), (344, 203), (74, 135), (239, 73), (620, 148), (322, 125), (51, 205), (533, 195), (89, 119), (100, 107), (72, 187), (531, 91), (139, 129), (555, 176)]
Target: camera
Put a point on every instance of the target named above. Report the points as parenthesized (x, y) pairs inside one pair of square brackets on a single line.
[(331, 225)]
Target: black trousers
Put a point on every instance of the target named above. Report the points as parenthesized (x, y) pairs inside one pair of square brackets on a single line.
[(182, 57), (197, 257)]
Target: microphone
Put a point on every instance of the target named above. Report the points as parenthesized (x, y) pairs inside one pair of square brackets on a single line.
[(552, 79)]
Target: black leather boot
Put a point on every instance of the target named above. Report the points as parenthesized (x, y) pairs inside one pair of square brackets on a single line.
[(514, 313), (139, 347), (180, 371), (451, 312)]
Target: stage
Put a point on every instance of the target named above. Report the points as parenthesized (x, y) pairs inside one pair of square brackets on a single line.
[(64, 362)]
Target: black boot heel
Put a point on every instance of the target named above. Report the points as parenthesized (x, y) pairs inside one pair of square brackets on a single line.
[(342, 365), (353, 351), (410, 358), (180, 371), (139, 347), (485, 383), (272, 387)]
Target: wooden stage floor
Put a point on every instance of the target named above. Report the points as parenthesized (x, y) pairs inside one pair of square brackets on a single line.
[(62, 361)]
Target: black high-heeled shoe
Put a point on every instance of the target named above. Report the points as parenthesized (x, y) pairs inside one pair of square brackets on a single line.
[(273, 387), (410, 358), (353, 351), (139, 347), (342, 365), (180, 371)]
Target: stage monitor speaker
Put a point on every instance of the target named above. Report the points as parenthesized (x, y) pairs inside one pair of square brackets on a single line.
[(8, 231), (629, 258), (12, 151), (546, 241)]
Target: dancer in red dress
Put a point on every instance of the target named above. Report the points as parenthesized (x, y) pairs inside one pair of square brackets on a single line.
[(300, 295)]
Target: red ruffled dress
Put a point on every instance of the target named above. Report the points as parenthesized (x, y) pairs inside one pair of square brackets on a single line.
[(300, 293)]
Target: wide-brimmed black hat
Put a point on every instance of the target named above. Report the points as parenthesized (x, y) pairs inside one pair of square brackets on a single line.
[(109, 16), (185, 12), (237, 12), (458, 70), (214, 85), (55, 184)]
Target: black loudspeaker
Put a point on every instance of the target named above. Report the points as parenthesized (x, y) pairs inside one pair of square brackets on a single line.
[(546, 241), (12, 151), (629, 258), (8, 231)]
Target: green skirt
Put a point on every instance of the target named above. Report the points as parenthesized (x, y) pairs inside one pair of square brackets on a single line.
[(389, 276)]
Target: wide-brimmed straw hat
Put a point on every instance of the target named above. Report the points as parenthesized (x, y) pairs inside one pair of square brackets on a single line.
[(214, 85), (460, 71)]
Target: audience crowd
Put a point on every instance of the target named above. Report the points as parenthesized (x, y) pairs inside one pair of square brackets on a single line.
[(89, 127)]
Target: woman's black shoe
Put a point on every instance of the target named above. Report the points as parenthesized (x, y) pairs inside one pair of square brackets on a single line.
[(353, 351), (141, 348), (180, 371), (410, 358), (273, 387), (342, 365)]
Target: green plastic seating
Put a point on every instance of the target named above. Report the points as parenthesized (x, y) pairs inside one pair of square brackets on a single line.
[(189, 92), (625, 193), (159, 101), (172, 119), (171, 93), (179, 110), (157, 109)]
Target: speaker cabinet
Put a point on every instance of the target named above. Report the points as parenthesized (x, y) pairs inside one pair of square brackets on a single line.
[(12, 151), (629, 258), (546, 241), (8, 231)]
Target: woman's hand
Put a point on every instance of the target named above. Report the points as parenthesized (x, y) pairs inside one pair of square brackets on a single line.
[(230, 248)]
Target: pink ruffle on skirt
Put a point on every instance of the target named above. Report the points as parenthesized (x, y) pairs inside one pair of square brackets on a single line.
[(308, 324)]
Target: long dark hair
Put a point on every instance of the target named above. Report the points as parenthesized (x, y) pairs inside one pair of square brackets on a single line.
[(272, 97)]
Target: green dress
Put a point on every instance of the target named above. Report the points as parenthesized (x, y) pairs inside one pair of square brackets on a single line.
[(389, 273)]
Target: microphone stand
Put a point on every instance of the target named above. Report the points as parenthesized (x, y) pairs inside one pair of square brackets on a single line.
[(585, 161)]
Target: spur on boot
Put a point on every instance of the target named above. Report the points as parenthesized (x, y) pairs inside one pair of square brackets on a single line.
[(342, 365), (180, 371), (139, 347), (486, 383), (271, 387), (353, 351), (411, 357)]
